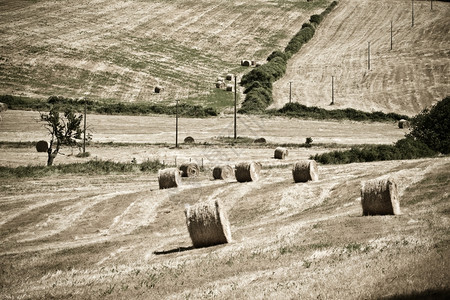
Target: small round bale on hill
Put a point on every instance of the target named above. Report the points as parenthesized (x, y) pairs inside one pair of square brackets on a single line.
[(189, 140), (281, 153), (158, 89), (247, 171), (380, 196), (305, 170), (223, 172), (229, 77), (246, 63), (42, 146), (208, 224), (169, 178), (189, 170), (260, 140), (403, 124)]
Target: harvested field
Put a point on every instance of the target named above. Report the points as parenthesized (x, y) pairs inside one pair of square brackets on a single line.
[(120, 236), (411, 76)]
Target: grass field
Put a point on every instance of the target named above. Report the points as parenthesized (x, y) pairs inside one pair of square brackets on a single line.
[(115, 235)]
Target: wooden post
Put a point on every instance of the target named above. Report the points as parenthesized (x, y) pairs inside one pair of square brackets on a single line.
[(412, 13), (84, 131), (431, 4), (332, 90), (290, 91), (235, 107), (176, 125)]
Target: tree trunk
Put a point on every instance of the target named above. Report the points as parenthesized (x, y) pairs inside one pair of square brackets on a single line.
[(51, 156)]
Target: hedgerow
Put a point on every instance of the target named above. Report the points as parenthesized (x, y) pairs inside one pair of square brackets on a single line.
[(262, 77), (406, 148), (110, 108), (298, 110)]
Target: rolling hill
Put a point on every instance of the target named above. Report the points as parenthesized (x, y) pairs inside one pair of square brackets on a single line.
[(121, 50), (406, 79)]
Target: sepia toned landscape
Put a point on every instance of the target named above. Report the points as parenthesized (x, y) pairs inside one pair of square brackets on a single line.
[(100, 227)]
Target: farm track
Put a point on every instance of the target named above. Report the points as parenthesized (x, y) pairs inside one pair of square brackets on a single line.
[(407, 79)]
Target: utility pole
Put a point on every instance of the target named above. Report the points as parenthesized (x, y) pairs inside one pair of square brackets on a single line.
[(235, 106), (290, 91), (412, 13), (176, 125), (391, 34), (84, 131), (332, 90), (431, 4), (368, 56)]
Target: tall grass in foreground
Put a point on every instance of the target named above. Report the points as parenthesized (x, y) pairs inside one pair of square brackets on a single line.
[(92, 167)]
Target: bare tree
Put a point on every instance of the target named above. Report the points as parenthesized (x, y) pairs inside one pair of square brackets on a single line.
[(63, 130)]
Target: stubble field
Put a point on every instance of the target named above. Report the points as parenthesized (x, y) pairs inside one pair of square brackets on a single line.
[(119, 236)]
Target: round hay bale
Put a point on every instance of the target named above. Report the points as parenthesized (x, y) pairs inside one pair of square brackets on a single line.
[(229, 77), (189, 170), (208, 224), (169, 178), (220, 84), (260, 140), (246, 63), (42, 146), (223, 172), (220, 79), (158, 89), (189, 140), (403, 123), (304, 171), (380, 196), (229, 88), (280, 153), (3, 107), (245, 171)]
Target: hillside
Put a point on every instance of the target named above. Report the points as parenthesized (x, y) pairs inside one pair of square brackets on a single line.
[(407, 79), (121, 50)]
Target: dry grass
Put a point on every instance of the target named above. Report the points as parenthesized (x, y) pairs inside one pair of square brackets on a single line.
[(122, 237)]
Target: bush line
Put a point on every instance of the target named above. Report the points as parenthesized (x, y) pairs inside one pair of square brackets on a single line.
[(406, 148), (92, 167), (258, 82), (184, 109), (298, 110)]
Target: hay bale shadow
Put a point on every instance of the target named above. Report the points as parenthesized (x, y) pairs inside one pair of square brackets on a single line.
[(175, 250)]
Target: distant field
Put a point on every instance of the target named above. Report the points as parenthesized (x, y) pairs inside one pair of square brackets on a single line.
[(406, 79), (121, 50)]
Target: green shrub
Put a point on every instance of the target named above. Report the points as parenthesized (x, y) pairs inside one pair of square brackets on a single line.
[(316, 19), (298, 110), (406, 148), (92, 167), (432, 126), (301, 38), (110, 108), (277, 53)]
